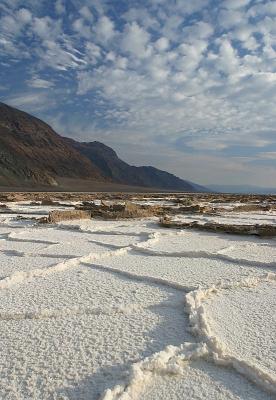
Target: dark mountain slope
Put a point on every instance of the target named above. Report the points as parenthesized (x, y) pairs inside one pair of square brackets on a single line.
[(119, 171), (30, 150), (32, 153)]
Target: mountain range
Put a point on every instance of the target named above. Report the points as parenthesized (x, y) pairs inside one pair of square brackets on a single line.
[(33, 155)]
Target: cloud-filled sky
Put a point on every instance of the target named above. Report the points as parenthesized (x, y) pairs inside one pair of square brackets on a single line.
[(186, 86)]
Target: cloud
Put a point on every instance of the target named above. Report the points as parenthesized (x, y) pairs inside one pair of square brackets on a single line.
[(9, 25), (24, 15), (3, 88), (60, 7), (199, 30), (83, 29), (235, 4), (30, 101), (143, 17), (229, 18), (162, 44), (195, 77), (228, 61), (46, 28), (264, 8), (54, 56), (135, 40), (86, 13), (40, 83), (93, 52), (104, 29), (269, 155)]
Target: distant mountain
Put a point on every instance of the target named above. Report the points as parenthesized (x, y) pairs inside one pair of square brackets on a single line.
[(247, 189), (32, 153), (110, 165), (200, 188)]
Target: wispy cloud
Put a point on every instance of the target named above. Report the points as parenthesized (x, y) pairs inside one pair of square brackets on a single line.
[(40, 83), (37, 101)]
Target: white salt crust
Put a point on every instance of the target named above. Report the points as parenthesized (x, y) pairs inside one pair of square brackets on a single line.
[(96, 309)]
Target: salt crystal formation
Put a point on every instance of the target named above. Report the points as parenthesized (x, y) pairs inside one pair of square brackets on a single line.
[(128, 309)]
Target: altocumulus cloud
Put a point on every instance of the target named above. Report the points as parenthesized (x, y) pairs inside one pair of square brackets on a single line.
[(193, 82)]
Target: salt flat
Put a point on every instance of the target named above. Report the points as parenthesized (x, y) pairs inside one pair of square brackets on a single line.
[(202, 380), (129, 310)]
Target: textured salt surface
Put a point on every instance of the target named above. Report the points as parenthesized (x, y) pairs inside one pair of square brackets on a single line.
[(87, 336), (104, 309), (244, 362), (201, 380), (12, 261), (62, 236), (244, 218), (186, 272), (23, 207), (244, 319), (200, 244)]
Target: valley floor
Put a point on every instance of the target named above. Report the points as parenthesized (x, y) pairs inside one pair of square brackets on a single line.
[(97, 309)]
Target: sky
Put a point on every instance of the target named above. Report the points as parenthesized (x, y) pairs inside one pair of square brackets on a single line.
[(186, 86)]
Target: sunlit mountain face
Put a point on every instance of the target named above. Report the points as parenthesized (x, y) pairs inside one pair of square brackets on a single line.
[(186, 86)]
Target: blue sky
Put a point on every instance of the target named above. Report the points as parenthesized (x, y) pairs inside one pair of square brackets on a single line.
[(187, 86)]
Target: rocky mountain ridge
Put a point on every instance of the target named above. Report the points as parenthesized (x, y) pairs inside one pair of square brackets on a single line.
[(112, 167), (32, 153)]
